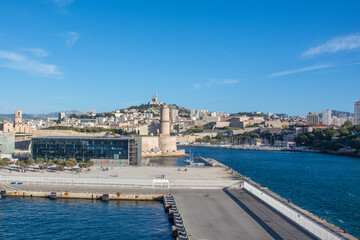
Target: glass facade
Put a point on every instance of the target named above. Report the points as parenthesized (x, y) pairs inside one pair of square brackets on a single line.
[(85, 149), (7, 144)]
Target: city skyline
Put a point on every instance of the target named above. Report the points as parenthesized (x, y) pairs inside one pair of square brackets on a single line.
[(152, 103), (62, 55)]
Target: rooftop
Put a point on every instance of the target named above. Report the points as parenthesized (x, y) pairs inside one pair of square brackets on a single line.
[(89, 137)]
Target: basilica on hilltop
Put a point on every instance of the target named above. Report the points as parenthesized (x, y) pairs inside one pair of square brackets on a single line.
[(154, 100)]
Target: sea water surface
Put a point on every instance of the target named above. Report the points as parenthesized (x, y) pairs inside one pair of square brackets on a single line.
[(25, 218), (326, 185)]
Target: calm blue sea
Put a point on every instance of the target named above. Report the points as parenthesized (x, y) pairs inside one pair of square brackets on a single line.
[(82, 219), (326, 185)]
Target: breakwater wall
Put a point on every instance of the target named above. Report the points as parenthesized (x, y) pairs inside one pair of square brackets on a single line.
[(306, 220), (178, 228)]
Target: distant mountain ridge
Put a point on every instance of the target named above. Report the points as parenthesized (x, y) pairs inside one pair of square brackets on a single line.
[(339, 114), (11, 117)]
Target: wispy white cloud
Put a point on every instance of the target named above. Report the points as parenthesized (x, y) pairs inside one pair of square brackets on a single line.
[(71, 38), (11, 56), (213, 82), (341, 43), (21, 62), (37, 52), (197, 85), (228, 81), (306, 69)]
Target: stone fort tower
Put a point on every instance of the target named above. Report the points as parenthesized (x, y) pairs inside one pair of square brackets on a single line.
[(165, 121), (164, 142), (167, 143)]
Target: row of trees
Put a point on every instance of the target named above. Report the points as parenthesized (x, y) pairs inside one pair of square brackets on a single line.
[(5, 162), (331, 139), (60, 163), (87, 130), (70, 163)]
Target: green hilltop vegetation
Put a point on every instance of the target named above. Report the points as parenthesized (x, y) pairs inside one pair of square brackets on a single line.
[(348, 136), (157, 108)]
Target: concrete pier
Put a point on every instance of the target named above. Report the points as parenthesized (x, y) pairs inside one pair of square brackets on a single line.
[(206, 214), (211, 214), (274, 223), (214, 202)]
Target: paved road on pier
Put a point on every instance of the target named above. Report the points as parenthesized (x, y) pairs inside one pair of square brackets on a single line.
[(234, 214), (277, 225), (216, 216)]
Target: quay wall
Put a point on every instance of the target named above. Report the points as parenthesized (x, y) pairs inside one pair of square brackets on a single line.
[(80, 195)]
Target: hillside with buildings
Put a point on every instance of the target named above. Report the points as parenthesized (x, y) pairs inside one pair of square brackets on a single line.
[(189, 126)]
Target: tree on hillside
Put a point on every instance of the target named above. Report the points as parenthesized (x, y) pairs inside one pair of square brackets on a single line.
[(348, 124), (219, 136), (344, 131)]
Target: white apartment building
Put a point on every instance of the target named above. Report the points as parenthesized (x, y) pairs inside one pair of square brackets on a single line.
[(326, 117), (357, 112)]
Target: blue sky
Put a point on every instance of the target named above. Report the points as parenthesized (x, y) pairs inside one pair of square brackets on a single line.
[(279, 56)]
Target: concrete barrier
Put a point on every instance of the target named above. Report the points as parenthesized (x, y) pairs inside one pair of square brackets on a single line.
[(311, 225), (178, 228)]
